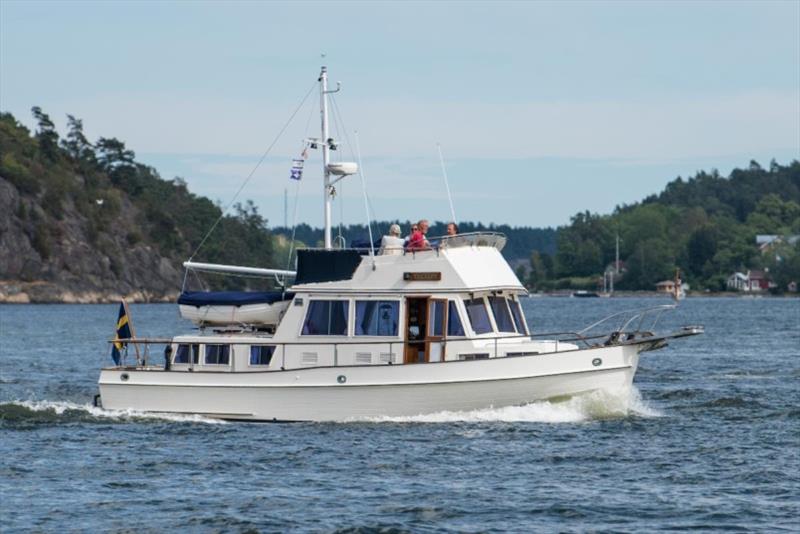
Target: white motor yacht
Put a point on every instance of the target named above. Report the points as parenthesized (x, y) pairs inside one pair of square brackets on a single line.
[(362, 335)]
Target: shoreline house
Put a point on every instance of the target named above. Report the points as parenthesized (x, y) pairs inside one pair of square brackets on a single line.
[(767, 242), (754, 281)]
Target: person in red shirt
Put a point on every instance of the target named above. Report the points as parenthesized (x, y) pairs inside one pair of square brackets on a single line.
[(417, 241)]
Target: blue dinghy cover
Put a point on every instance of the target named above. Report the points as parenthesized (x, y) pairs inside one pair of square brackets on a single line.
[(232, 298)]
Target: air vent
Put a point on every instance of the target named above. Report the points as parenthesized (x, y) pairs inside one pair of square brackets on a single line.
[(387, 357), (470, 357), (363, 358), (309, 358)]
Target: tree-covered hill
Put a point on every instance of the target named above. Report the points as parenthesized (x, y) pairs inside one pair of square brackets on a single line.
[(706, 226), (84, 221)]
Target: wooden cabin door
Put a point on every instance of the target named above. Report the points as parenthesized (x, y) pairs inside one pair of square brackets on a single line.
[(437, 322), (416, 329)]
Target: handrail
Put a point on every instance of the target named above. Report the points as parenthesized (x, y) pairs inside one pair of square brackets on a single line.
[(266, 340), (237, 269), (638, 313), (494, 239), (613, 337)]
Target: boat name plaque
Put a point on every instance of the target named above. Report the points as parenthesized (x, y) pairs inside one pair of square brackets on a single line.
[(422, 277)]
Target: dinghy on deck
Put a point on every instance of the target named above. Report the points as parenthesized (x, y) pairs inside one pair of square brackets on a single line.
[(216, 308)]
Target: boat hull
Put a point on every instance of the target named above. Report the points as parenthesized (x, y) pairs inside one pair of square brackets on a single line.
[(364, 392)]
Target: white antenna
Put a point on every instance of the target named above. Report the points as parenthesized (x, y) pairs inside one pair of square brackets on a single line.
[(447, 184), (366, 202)]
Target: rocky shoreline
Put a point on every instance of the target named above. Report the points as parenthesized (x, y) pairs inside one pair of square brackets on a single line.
[(43, 292)]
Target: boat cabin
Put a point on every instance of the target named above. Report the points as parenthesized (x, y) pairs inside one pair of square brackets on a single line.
[(458, 300)]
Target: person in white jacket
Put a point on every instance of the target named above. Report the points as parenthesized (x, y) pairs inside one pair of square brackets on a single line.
[(392, 243)]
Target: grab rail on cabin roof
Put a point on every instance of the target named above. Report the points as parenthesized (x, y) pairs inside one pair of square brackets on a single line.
[(497, 240)]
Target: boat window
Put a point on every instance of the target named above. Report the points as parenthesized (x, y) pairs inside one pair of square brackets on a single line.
[(502, 317), (436, 320), (217, 355), (182, 354), (454, 326), (261, 354), (516, 311), (377, 317), (326, 318), (478, 316)]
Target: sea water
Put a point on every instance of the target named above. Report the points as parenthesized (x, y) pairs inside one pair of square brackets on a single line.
[(709, 439)]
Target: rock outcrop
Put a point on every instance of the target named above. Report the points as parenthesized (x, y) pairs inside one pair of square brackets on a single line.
[(49, 258)]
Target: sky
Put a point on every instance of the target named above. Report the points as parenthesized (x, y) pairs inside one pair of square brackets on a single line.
[(541, 109)]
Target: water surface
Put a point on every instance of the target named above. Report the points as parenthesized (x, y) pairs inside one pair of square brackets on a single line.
[(709, 440)]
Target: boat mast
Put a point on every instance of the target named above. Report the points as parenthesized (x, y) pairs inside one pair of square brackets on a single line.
[(323, 96)]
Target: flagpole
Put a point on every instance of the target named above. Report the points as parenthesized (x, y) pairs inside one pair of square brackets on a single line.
[(130, 325)]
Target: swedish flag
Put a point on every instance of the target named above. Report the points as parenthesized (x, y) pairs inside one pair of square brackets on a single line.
[(123, 332)]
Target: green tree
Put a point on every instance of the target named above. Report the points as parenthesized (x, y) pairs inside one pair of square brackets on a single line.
[(46, 133), (77, 146), (112, 154), (538, 271), (701, 248), (649, 263)]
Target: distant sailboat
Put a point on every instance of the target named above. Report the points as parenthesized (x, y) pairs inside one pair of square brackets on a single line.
[(678, 292)]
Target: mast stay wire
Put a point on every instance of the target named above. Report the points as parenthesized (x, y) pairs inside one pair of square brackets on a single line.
[(294, 226), (297, 196), (338, 113), (252, 172), (366, 203), (336, 120), (447, 184)]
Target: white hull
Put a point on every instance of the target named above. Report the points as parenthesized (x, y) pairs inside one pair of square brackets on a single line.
[(318, 394)]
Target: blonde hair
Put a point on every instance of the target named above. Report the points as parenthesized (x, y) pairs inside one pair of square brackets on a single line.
[(394, 229)]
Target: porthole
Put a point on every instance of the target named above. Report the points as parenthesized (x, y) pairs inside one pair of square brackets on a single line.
[(341, 379), (124, 377), (597, 362)]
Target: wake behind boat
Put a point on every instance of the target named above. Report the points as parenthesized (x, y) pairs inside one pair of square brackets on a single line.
[(364, 335)]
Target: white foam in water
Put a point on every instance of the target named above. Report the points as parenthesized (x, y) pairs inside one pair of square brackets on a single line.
[(591, 406), (59, 407)]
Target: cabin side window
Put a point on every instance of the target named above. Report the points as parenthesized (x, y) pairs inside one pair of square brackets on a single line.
[(516, 312), (377, 317), (217, 355), (261, 354), (454, 326), (478, 316), (502, 316), (326, 318), (184, 351)]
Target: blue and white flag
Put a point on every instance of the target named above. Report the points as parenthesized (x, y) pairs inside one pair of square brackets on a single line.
[(123, 332), (297, 169)]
